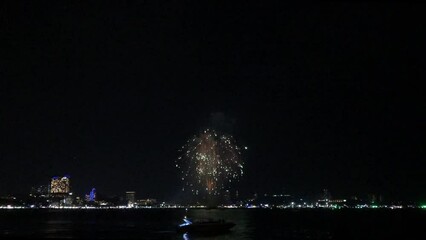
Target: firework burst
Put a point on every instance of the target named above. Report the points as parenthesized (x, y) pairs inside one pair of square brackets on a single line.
[(210, 163)]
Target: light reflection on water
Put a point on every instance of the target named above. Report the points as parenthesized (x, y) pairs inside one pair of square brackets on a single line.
[(185, 236), (250, 224), (240, 231)]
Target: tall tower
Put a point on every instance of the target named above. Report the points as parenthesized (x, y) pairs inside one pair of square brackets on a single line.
[(130, 198), (326, 194), (92, 196)]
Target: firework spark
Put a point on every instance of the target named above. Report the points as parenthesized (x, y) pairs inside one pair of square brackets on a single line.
[(210, 163)]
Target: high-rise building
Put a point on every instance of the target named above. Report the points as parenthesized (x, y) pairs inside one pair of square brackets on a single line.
[(91, 197), (130, 197), (40, 191), (60, 185)]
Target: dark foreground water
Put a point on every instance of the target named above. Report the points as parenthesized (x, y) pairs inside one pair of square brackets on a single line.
[(251, 224)]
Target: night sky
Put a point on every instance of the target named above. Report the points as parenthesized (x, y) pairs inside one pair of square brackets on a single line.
[(323, 95)]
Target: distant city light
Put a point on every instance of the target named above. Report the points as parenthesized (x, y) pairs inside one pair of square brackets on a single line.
[(60, 185)]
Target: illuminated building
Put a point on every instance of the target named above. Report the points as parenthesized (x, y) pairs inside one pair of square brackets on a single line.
[(91, 197), (40, 191), (60, 185), (146, 202), (130, 197)]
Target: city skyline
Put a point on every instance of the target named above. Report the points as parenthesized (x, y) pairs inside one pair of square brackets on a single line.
[(58, 194), (323, 96)]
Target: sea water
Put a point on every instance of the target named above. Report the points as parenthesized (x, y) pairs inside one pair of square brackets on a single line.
[(250, 223)]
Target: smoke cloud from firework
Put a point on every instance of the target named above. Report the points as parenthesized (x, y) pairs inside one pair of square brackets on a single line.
[(210, 163)]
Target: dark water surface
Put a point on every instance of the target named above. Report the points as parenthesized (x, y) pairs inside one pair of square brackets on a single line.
[(251, 224)]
